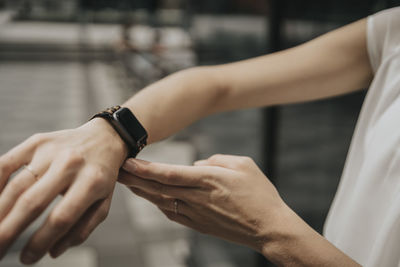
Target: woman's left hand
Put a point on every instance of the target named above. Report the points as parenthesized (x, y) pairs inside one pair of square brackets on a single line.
[(225, 196)]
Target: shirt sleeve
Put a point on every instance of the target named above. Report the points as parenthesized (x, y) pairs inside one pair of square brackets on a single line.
[(383, 35)]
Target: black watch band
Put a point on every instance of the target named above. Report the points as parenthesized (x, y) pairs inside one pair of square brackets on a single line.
[(127, 126)]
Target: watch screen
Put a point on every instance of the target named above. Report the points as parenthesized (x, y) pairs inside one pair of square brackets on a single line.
[(131, 124)]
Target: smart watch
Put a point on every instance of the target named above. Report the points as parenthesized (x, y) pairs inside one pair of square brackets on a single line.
[(127, 126)]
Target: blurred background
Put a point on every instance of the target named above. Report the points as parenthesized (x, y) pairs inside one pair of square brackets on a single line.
[(62, 61)]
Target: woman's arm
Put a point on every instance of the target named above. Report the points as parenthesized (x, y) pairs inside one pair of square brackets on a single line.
[(333, 64), (229, 196), (83, 163)]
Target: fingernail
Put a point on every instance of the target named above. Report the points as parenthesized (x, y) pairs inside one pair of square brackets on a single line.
[(129, 165), (28, 257)]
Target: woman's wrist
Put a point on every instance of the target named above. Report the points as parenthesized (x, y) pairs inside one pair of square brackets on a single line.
[(293, 242), (287, 234), (102, 126), (159, 107), (279, 230)]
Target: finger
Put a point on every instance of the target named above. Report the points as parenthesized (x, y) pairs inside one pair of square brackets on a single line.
[(130, 180), (228, 161), (201, 163), (79, 197), (159, 201), (13, 190), (31, 204), (165, 173), (157, 188), (18, 156), (83, 228), (125, 178), (165, 203), (19, 184), (184, 214)]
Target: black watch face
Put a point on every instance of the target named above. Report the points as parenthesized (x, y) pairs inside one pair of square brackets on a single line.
[(131, 124)]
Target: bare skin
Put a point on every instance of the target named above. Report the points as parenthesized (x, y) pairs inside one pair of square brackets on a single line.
[(229, 197), (83, 163)]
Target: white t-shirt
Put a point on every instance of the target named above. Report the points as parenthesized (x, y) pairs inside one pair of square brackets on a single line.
[(364, 220)]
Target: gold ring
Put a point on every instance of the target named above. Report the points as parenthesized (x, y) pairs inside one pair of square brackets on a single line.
[(176, 207), (31, 171)]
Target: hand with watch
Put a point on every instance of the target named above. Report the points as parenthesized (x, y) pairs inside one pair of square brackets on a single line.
[(81, 164)]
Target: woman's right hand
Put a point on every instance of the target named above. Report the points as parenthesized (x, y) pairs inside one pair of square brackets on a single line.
[(82, 164), (225, 196)]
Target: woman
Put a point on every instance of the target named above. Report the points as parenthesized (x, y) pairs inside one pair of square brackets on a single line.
[(227, 196)]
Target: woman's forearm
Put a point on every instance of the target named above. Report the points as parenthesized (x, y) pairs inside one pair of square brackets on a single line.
[(176, 101), (333, 64)]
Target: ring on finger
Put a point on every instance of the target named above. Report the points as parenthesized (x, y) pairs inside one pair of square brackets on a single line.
[(31, 171)]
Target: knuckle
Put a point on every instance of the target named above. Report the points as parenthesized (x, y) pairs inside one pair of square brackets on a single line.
[(38, 138), (72, 158), (14, 186), (219, 195), (208, 179), (97, 181), (247, 159), (99, 175), (215, 158), (30, 204), (98, 184), (171, 175), (60, 221), (244, 161), (50, 148), (206, 176)]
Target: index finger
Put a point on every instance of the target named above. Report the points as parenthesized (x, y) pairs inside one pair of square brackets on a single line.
[(180, 175), (17, 157)]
